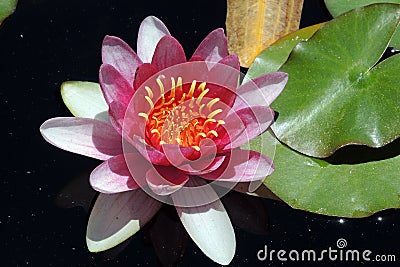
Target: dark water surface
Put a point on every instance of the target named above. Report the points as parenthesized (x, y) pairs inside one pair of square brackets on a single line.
[(43, 188)]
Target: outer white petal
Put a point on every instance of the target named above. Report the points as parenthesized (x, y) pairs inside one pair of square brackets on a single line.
[(88, 137), (116, 217), (85, 100), (150, 32), (208, 225)]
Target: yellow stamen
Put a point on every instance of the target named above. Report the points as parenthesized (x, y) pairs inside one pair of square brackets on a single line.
[(183, 98), (215, 112), (201, 96), (220, 122), (179, 83), (172, 94), (212, 103), (200, 135), (191, 102), (155, 121), (209, 120), (201, 109), (192, 87), (196, 147), (144, 115), (150, 102), (202, 86), (170, 101), (161, 85), (149, 92), (155, 131), (212, 132)]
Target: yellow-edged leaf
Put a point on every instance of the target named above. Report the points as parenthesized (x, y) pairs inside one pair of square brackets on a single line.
[(252, 25)]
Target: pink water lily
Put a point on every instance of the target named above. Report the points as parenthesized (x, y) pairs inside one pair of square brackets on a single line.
[(167, 128)]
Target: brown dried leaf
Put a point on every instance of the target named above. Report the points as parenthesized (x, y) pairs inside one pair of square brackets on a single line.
[(252, 25)]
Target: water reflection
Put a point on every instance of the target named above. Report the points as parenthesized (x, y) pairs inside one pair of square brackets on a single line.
[(165, 231)]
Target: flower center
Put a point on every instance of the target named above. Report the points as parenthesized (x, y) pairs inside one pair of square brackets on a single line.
[(184, 115)]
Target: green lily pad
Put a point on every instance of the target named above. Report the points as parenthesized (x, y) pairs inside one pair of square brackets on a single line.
[(338, 7), (347, 190), (337, 94), (273, 57), (7, 7)]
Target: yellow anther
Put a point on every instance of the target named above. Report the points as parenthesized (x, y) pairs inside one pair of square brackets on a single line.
[(192, 87), (162, 142), (161, 85), (212, 103), (144, 115), (212, 132), (149, 92), (215, 112), (172, 94), (202, 86), (150, 102), (201, 96)]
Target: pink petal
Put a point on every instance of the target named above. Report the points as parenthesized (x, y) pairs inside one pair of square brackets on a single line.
[(113, 176), (255, 120), (165, 180), (116, 217), (117, 111), (261, 91), (214, 47), (148, 152), (203, 166), (143, 73), (150, 32), (227, 73), (242, 166), (83, 136), (177, 154), (168, 52), (114, 86), (226, 96), (231, 61), (120, 55)]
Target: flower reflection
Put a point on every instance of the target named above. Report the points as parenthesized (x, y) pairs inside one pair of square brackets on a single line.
[(165, 231)]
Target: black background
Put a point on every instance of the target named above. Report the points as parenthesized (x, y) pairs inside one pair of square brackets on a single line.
[(45, 43)]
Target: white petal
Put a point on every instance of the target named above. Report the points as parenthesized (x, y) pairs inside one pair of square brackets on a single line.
[(117, 217), (150, 32), (88, 137), (85, 100), (208, 225)]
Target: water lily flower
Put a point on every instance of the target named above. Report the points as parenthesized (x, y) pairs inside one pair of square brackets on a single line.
[(163, 125)]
